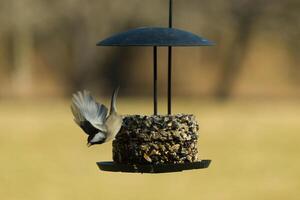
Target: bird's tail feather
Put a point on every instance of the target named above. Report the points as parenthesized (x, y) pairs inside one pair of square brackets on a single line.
[(113, 107)]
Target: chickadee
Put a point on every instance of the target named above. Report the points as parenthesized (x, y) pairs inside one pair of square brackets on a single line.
[(92, 117)]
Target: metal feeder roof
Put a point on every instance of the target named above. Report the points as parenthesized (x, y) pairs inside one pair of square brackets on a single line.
[(155, 36)]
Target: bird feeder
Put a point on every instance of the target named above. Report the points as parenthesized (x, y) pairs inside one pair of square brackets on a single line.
[(157, 143)]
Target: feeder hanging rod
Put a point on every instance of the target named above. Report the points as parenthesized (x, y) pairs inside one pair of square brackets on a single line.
[(170, 61)]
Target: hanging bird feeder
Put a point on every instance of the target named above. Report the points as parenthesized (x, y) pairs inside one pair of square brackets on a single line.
[(157, 143)]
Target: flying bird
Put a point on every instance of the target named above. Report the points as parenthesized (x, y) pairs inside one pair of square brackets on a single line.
[(92, 117)]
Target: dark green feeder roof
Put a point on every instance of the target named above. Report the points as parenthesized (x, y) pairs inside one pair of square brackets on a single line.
[(155, 36)]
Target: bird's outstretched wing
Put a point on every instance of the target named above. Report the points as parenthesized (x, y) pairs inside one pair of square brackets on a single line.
[(86, 110)]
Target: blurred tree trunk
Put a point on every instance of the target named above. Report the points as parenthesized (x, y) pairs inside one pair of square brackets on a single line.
[(22, 76), (22, 51), (244, 13)]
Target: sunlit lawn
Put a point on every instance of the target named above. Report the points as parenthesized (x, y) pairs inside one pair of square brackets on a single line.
[(254, 147)]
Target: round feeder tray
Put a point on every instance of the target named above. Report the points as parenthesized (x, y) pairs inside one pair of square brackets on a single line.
[(157, 168)]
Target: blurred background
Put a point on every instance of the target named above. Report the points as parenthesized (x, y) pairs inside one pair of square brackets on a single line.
[(244, 92)]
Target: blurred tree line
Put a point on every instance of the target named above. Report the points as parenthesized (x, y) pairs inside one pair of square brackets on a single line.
[(48, 47)]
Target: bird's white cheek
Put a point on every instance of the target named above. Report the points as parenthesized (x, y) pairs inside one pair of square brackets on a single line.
[(98, 137)]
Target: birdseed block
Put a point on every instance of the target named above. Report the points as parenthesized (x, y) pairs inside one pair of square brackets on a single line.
[(157, 140)]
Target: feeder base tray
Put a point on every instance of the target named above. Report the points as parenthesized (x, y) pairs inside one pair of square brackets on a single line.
[(158, 168)]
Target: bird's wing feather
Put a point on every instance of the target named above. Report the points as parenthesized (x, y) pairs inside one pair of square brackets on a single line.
[(85, 108), (77, 116)]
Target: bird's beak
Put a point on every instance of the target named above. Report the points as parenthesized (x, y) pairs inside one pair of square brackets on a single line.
[(89, 144)]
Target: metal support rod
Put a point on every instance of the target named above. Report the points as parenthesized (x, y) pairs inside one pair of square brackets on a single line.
[(170, 61), (170, 13), (155, 79), (170, 81)]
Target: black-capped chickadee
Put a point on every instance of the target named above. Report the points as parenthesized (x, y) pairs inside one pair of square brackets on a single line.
[(93, 119)]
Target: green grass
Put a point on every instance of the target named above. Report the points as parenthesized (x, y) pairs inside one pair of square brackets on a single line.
[(254, 147)]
